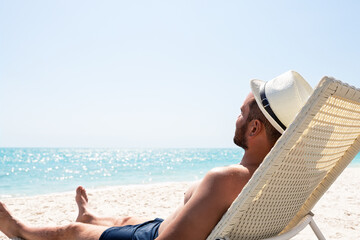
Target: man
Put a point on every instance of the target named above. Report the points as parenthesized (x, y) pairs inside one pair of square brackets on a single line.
[(264, 116)]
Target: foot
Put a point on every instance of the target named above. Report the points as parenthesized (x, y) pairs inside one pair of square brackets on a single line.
[(82, 201), (8, 224)]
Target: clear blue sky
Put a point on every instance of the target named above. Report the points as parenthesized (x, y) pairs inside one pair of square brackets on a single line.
[(157, 73)]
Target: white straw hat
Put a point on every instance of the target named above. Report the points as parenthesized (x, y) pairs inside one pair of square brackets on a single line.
[(281, 98)]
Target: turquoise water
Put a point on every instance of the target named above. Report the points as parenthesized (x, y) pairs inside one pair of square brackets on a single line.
[(32, 171)]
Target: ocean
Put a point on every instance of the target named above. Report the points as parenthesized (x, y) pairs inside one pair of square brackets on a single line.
[(34, 171)]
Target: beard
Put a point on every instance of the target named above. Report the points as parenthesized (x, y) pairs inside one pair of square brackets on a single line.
[(240, 137)]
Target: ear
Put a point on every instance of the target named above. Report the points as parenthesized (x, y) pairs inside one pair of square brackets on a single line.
[(255, 127)]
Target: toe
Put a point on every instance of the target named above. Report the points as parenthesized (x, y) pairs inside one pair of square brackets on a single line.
[(84, 194)]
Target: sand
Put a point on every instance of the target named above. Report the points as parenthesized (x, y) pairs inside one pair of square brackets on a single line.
[(337, 213)]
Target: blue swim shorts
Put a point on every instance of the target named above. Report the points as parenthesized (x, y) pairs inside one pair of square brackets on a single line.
[(144, 231)]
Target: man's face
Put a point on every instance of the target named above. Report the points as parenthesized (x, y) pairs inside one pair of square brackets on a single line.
[(240, 138)]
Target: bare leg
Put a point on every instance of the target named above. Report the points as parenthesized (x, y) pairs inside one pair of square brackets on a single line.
[(13, 227), (86, 216), (8, 224)]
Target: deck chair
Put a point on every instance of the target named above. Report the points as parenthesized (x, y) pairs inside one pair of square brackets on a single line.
[(277, 201)]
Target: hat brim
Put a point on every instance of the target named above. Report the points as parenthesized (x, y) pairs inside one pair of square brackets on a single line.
[(256, 86)]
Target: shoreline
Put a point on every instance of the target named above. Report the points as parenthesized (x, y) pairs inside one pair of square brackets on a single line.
[(337, 213), (10, 196), (92, 189)]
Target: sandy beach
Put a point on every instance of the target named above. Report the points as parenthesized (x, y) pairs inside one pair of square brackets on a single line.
[(337, 213)]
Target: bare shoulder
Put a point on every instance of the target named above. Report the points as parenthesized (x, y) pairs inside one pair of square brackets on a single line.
[(228, 181), (230, 170), (233, 174)]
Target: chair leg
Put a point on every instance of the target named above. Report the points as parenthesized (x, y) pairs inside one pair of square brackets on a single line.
[(316, 230), (307, 220)]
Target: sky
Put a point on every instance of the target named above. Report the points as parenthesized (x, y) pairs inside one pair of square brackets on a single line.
[(157, 74)]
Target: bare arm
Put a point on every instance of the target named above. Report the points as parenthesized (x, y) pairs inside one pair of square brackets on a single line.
[(207, 205)]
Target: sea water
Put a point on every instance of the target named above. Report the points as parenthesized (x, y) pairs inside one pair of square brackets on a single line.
[(33, 171)]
